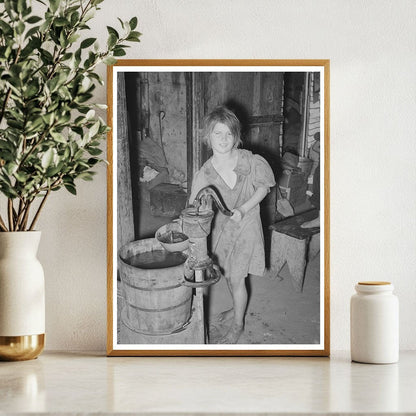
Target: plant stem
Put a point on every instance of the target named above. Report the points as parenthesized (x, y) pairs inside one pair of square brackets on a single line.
[(26, 216), (10, 213), (39, 209), (2, 225), (3, 108), (21, 214), (18, 216)]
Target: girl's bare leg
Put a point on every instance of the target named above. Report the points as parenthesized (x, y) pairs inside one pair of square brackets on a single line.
[(228, 314), (239, 294), (225, 316)]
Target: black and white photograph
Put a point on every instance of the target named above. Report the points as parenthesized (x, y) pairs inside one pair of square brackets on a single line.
[(218, 212)]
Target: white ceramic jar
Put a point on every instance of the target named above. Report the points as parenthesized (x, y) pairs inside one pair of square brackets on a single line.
[(374, 323)]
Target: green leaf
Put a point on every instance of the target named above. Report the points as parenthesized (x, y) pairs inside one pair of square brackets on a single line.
[(46, 56), (63, 41), (87, 42), (10, 7), (78, 154), (70, 188), (6, 29), (96, 77), (35, 125), (16, 124), (58, 137), (21, 6), (92, 161), (86, 176), (83, 98), (32, 45), (74, 18), (48, 118), (110, 60), (85, 85), (47, 158), (67, 153), (4, 145), (112, 31), (119, 52), (63, 119), (90, 115), (54, 4), (8, 191), (8, 52), (94, 151), (78, 130), (20, 28), (70, 10), (32, 31), (61, 21), (134, 37), (112, 41), (73, 38), (133, 23), (33, 19), (52, 171), (123, 25), (31, 90), (82, 166), (10, 168), (67, 56), (21, 177), (53, 83), (89, 15), (94, 129)]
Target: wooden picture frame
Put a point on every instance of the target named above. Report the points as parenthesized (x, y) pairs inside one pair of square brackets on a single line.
[(283, 107)]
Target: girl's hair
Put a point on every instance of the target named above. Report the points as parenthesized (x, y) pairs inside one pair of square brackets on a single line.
[(225, 116)]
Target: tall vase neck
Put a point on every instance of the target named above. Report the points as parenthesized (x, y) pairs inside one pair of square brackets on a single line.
[(19, 243)]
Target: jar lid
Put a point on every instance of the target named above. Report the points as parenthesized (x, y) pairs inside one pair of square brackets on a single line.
[(374, 283), (370, 287)]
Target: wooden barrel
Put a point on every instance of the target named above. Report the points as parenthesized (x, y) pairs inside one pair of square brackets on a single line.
[(155, 302)]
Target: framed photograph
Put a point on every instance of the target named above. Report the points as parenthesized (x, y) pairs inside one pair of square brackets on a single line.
[(218, 208)]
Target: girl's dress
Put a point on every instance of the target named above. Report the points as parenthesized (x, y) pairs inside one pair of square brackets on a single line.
[(237, 247)]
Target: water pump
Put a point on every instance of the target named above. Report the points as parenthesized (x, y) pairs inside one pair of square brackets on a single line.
[(200, 270)]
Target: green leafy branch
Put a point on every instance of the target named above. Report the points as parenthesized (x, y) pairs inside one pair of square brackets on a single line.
[(50, 133)]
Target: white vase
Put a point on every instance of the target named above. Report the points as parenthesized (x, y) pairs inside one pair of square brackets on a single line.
[(22, 296)]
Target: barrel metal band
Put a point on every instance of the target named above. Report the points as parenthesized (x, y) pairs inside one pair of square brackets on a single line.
[(160, 310), (146, 289), (175, 330)]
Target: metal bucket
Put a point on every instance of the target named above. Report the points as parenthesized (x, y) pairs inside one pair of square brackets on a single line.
[(155, 302)]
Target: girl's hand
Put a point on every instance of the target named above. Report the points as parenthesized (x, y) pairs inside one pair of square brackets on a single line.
[(238, 215)]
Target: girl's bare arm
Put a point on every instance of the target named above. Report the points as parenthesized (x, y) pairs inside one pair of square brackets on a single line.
[(257, 197)]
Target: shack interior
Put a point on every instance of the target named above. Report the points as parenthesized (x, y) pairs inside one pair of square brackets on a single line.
[(280, 117)]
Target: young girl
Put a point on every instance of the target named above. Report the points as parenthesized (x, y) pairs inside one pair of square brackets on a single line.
[(243, 180)]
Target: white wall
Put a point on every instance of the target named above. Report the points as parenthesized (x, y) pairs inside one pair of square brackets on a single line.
[(371, 45)]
